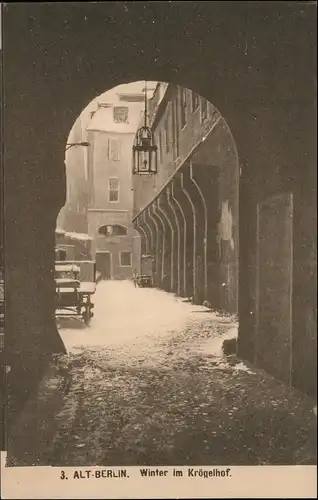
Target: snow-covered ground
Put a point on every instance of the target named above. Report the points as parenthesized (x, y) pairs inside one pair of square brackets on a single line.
[(147, 383), (123, 314), (134, 323)]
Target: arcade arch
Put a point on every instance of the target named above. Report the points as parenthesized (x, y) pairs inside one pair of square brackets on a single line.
[(270, 114)]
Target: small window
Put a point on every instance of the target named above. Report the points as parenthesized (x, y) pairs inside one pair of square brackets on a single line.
[(120, 230), (120, 114), (183, 106), (167, 134), (113, 230), (113, 189), (204, 109), (160, 147), (194, 101), (175, 126), (113, 149), (125, 259)]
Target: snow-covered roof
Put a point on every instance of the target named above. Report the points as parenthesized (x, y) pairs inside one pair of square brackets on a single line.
[(103, 119), (78, 236), (60, 267), (121, 96)]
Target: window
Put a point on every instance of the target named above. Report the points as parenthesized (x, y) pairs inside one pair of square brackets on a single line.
[(204, 109), (175, 126), (194, 101), (183, 106), (113, 189), (120, 230), (167, 133), (113, 230), (125, 259), (120, 114), (113, 149), (160, 147)]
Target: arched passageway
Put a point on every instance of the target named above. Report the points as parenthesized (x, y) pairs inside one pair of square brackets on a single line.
[(196, 197), (269, 110)]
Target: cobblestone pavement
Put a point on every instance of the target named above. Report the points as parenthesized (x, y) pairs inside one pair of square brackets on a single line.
[(146, 383)]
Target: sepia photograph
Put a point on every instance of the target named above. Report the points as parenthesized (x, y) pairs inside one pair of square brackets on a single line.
[(158, 249)]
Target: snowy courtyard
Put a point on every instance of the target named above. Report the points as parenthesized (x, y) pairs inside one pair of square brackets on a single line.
[(147, 383)]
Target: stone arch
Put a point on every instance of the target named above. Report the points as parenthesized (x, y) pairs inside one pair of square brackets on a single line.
[(169, 254), (174, 221), (149, 233), (144, 237), (182, 225), (161, 242), (270, 114), (185, 206), (155, 231)]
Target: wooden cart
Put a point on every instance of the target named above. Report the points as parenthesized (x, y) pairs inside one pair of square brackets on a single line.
[(73, 296)]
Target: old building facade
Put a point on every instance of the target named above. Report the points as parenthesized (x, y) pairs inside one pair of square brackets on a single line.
[(111, 133), (187, 214), (99, 198)]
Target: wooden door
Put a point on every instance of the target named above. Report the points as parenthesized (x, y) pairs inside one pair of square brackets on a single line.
[(103, 264)]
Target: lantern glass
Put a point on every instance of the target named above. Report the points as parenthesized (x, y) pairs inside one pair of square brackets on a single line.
[(144, 153), (145, 160)]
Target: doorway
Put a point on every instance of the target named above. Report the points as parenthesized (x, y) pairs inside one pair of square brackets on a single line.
[(103, 265)]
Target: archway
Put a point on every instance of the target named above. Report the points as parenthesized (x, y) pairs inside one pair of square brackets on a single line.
[(270, 114)]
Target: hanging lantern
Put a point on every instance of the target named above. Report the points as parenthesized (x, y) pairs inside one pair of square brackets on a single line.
[(144, 152), (144, 149)]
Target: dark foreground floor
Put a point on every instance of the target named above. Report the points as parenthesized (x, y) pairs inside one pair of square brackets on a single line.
[(163, 398)]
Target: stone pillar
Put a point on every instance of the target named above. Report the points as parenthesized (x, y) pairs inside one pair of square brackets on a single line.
[(206, 178), (143, 240), (187, 210), (170, 249), (182, 228), (33, 199), (177, 257), (155, 249), (160, 244), (199, 221)]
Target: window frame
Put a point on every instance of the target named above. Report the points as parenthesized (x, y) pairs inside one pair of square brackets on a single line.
[(203, 119), (160, 146), (114, 112), (110, 149), (194, 109), (114, 190), (120, 258), (167, 128), (113, 234), (176, 130), (183, 107)]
